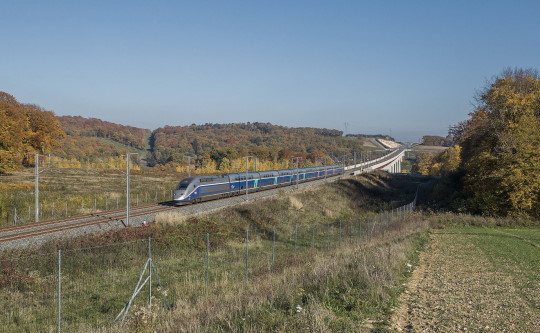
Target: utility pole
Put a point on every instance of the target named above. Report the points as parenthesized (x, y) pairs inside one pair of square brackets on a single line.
[(189, 165), (128, 180), (36, 165), (37, 172), (247, 175), (297, 158), (325, 169)]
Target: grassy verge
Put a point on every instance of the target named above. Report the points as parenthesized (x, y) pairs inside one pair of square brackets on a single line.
[(350, 289)]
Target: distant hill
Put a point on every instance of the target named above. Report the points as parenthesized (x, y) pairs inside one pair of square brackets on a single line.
[(87, 138), (434, 140), (372, 136), (264, 140), (92, 127), (77, 141)]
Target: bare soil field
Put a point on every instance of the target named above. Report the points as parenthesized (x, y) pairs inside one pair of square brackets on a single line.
[(475, 280)]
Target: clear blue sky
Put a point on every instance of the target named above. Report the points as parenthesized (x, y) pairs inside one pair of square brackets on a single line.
[(409, 67)]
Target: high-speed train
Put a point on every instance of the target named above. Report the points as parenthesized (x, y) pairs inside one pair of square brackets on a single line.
[(202, 188)]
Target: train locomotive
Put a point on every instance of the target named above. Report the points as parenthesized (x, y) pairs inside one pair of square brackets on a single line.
[(202, 188)]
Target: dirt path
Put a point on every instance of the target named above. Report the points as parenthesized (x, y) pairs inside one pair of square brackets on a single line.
[(457, 287)]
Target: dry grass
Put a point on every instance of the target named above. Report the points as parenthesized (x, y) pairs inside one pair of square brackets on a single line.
[(171, 218), (78, 189), (350, 288)]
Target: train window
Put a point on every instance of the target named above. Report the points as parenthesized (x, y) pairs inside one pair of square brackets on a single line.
[(205, 180)]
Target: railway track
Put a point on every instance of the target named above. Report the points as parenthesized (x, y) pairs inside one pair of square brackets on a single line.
[(70, 218), (48, 227)]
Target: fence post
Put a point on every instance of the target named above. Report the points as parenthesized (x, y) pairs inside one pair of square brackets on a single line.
[(207, 259), (247, 255), (328, 241), (59, 318), (340, 233), (313, 237), (295, 237), (273, 246), (150, 271)]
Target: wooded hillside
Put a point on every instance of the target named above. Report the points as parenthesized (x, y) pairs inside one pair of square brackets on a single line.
[(24, 128), (434, 140), (75, 141), (92, 127), (266, 141)]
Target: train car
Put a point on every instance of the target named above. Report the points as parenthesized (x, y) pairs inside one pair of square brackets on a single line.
[(198, 189), (285, 177), (238, 183), (268, 179)]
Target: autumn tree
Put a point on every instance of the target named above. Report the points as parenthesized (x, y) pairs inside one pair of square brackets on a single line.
[(501, 146), (24, 128)]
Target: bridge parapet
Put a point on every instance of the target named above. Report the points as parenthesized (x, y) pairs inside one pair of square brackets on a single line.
[(390, 162)]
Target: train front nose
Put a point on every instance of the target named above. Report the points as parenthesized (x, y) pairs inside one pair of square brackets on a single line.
[(178, 195)]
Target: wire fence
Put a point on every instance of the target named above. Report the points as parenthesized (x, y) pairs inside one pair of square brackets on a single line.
[(100, 287)]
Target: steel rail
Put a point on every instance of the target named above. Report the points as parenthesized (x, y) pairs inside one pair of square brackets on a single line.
[(69, 219)]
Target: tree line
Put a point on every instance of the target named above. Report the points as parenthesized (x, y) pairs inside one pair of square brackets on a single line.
[(24, 129), (78, 142), (223, 143), (495, 162)]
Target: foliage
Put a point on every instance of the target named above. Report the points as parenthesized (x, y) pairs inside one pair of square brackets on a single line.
[(434, 140), (441, 164), (92, 127), (501, 146), (224, 143), (24, 128)]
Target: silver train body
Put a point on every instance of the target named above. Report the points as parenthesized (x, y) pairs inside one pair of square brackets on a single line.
[(202, 188)]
